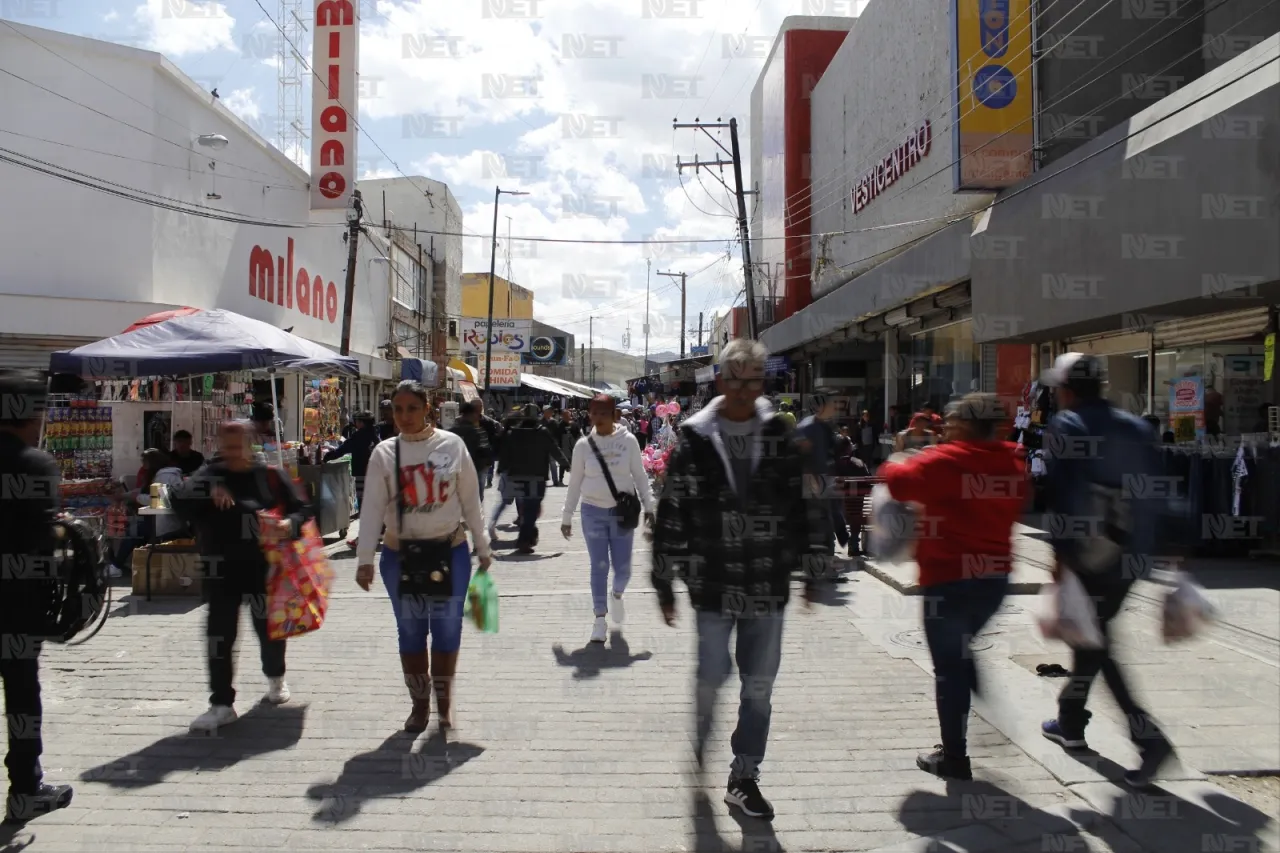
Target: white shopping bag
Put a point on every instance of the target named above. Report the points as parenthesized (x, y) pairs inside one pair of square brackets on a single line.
[(1069, 614), (893, 527), (1186, 610)]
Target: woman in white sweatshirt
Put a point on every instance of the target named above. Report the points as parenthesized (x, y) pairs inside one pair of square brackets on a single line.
[(439, 490), (607, 541)]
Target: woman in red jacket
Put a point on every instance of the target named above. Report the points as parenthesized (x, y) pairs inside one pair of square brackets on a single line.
[(972, 488)]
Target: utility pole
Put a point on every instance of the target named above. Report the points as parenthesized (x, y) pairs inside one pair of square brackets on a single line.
[(744, 230), (648, 269), (683, 277), (354, 213), (591, 339), (493, 264), (699, 330), (582, 359)]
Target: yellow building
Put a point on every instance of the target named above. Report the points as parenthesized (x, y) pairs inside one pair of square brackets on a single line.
[(510, 301)]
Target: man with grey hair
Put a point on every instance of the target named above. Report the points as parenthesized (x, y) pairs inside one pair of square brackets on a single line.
[(733, 524)]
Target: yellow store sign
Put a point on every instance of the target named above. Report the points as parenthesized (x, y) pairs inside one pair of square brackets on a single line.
[(994, 93)]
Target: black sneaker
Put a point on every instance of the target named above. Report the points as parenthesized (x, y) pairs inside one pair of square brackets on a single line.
[(938, 763), (1153, 758), (745, 794), (45, 799)]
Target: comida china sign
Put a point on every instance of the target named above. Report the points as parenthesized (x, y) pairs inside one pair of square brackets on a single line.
[(896, 164), (334, 95)]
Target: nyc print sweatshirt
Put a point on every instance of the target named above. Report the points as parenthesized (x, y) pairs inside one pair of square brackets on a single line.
[(441, 490), (586, 478)]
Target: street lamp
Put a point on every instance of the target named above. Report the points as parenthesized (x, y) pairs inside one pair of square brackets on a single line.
[(216, 141), (498, 192)]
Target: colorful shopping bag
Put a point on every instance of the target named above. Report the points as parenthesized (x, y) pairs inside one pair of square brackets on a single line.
[(298, 582), (482, 602)]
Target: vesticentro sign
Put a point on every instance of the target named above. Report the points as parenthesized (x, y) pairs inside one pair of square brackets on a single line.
[(887, 172), (333, 103)]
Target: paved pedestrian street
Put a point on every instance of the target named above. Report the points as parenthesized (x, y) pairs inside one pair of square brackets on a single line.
[(565, 747)]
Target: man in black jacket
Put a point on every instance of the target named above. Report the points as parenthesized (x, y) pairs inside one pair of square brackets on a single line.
[(473, 434), (553, 425), (733, 524), (360, 446), (28, 505), (494, 431), (527, 454)]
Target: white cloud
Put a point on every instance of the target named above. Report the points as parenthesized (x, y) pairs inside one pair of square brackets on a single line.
[(180, 28), (111, 16), (244, 104)]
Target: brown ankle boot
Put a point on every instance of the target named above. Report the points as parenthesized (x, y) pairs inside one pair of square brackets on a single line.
[(444, 665), (417, 677)]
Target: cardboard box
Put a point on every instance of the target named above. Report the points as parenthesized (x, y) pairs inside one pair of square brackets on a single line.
[(173, 572)]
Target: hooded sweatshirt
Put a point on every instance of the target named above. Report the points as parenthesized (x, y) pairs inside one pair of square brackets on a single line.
[(973, 492), (586, 478), (440, 491)]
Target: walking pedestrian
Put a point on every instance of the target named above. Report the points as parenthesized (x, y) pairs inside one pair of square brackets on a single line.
[(386, 421), (570, 432), (527, 454), (816, 437), (223, 502), (27, 540), (973, 490), (866, 440), (736, 465), (469, 428), (494, 430), (556, 428), (918, 435), (607, 465), (423, 486), (1093, 451)]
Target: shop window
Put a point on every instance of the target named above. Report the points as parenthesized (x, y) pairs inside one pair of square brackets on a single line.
[(947, 364), (1229, 376)]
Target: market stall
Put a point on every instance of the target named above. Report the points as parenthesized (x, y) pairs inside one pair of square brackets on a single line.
[(188, 347)]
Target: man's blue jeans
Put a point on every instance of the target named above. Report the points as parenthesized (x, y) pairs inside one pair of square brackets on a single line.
[(954, 613), (758, 652)]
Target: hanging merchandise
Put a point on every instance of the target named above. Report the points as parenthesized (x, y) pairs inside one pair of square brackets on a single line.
[(78, 434)]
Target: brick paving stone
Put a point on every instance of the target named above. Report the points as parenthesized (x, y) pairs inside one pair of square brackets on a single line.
[(560, 747)]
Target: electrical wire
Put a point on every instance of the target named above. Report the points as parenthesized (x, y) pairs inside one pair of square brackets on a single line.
[(186, 129)]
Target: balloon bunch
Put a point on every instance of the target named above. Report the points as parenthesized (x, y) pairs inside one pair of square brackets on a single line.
[(654, 459)]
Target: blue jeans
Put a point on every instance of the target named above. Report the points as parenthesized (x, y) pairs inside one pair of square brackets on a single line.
[(758, 653), (606, 542), (417, 617), (954, 613)]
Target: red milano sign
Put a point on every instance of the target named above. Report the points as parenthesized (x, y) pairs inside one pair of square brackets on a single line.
[(334, 93), (899, 161), (273, 279)]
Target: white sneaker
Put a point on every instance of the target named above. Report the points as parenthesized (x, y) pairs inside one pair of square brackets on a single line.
[(600, 630), (617, 610), (115, 571), (214, 718), (277, 691)]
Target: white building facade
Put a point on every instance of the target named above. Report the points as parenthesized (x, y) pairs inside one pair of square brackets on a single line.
[(83, 263)]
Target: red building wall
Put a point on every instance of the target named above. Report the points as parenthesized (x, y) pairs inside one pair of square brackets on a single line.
[(807, 55)]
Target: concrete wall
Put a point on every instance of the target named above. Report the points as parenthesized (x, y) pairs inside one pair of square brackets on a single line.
[(894, 70), (65, 242), (1181, 218)]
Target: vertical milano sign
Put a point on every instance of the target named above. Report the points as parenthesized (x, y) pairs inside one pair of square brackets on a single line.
[(334, 94)]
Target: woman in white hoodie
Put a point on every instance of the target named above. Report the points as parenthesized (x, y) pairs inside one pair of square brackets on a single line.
[(427, 500), (607, 541)]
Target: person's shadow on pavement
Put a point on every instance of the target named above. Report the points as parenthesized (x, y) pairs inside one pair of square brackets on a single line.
[(758, 835), (590, 660), (265, 728), (391, 770)]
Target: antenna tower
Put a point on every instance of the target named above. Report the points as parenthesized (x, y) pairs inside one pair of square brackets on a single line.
[(291, 96)]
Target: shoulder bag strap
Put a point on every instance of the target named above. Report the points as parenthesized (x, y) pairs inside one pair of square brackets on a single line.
[(399, 488), (604, 466)]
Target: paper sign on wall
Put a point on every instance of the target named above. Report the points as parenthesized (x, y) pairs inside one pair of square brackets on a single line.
[(1269, 357)]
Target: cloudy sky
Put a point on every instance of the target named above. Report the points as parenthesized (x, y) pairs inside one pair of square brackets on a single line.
[(476, 93)]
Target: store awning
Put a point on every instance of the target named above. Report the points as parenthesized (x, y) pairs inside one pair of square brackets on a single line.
[(549, 385), (469, 373)]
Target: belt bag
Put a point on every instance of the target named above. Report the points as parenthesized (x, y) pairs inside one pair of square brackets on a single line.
[(626, 504), (426, 565)]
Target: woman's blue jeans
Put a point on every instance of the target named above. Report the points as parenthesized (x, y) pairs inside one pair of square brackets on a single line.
[(607, 543), (418, 617)]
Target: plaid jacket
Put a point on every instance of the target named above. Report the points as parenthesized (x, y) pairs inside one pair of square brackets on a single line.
[(735, 559)]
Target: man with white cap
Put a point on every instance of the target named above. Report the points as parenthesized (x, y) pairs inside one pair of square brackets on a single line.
[(1102, 525)]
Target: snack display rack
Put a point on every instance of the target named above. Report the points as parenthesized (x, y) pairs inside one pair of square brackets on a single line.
[(322, 417), (78, 434)]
